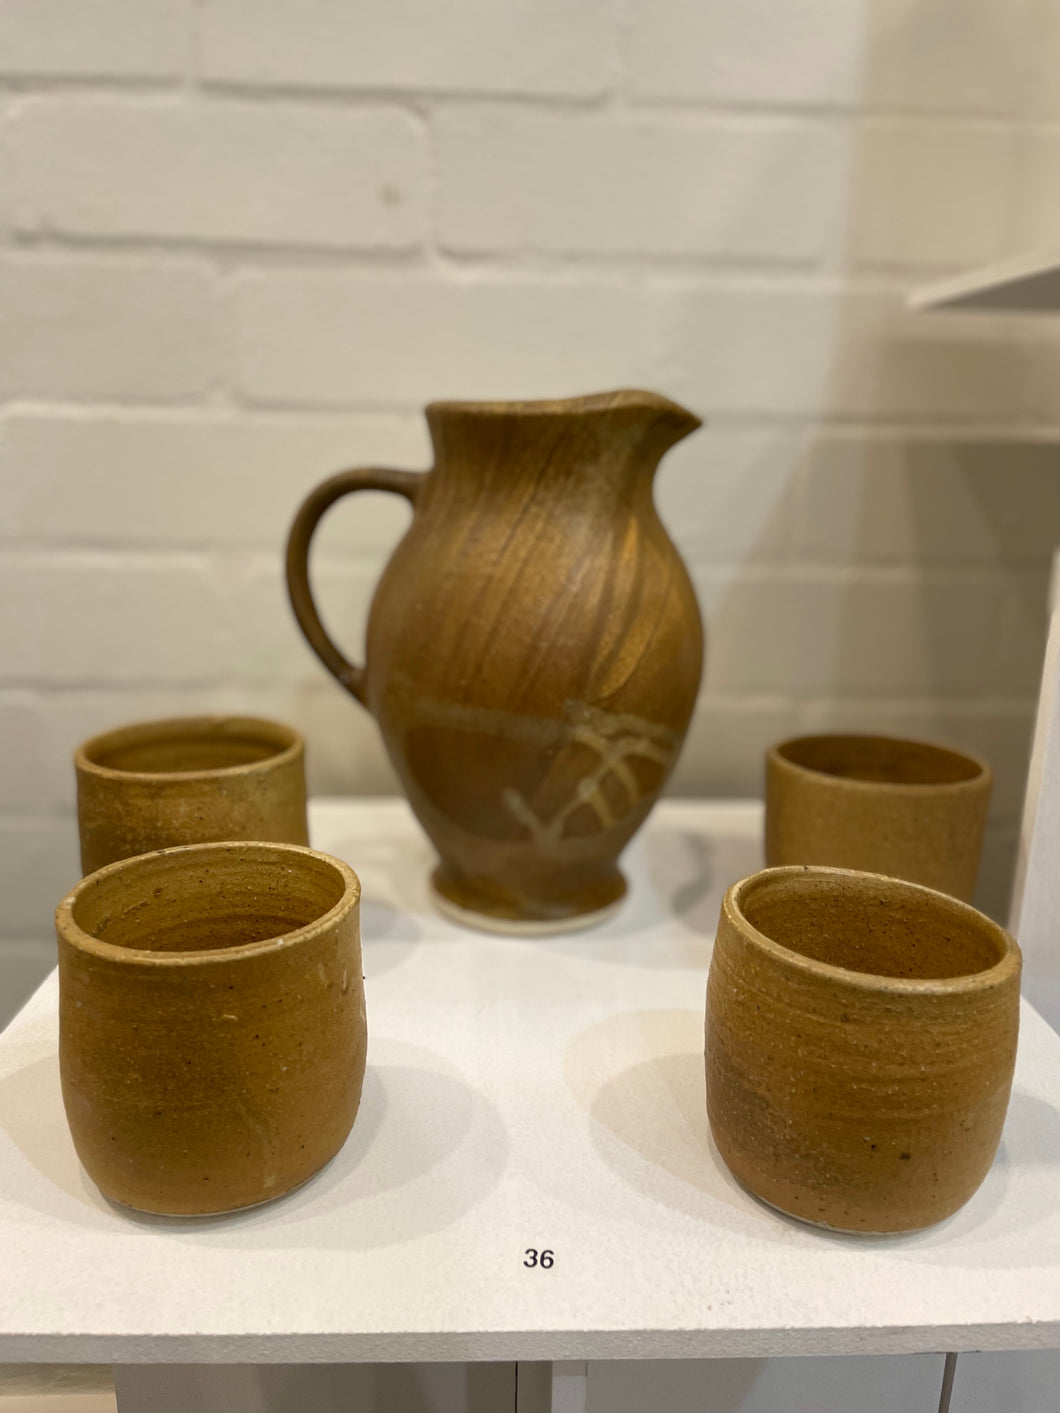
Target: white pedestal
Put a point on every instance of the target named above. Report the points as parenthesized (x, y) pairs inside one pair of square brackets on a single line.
[(1036, 887), (521, 1095)]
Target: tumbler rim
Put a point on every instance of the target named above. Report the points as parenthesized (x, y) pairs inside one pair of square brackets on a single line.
[(1009, 963), (983, 775), (71, 932), (288, 744)]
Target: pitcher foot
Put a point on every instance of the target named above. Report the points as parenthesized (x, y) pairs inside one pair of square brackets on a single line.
[(470, 907)]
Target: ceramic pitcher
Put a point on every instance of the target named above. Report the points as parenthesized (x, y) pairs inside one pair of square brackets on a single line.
[(534, 647)]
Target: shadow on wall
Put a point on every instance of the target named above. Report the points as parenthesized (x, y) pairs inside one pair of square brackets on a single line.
[(897, 580)]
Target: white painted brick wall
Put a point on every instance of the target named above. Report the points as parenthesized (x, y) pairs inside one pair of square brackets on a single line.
[(795, 348), (113, 328), (1040, 174), (803, 52), (243, 241), (547, 47), (618, 184), (195, 479), (973, 57), (115, 39), (935, 194), (330, 337), (86, 616), (1044, 92), (171, 170)]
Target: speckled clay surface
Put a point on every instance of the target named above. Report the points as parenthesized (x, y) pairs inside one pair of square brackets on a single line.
[(212, 1023), (189, 780), (534, 647), (909, 809), (860, 1042)]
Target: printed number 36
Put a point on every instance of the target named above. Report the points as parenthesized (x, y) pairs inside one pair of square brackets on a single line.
[(545, 1259)]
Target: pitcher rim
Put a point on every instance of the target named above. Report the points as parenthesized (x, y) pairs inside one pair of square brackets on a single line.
[(587, 403)]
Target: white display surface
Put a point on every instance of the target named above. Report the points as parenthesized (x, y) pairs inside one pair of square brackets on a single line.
[(520, 1094)]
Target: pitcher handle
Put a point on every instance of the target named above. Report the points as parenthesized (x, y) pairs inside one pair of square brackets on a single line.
[(310, 512)]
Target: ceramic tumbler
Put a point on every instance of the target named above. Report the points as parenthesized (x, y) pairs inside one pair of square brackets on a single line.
[(860, 1042), (909, 809), (212, 1033), (189, 780)]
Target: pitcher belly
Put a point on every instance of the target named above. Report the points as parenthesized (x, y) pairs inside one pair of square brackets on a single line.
[(529, 814)]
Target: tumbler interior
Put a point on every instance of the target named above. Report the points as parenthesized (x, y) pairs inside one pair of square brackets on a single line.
[(200, 899), (190, 744), (871, 924), (881, 760)]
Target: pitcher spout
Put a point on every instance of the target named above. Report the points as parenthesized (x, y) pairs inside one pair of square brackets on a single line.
[(645, 423), (664, 422)]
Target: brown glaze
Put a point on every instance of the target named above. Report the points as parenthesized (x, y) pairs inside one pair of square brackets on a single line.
[(189, 780), (860, 1042), (534, 646), (212, 1034), (909, 809)]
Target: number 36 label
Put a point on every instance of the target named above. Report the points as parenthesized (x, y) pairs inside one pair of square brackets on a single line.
[(544, 1259)]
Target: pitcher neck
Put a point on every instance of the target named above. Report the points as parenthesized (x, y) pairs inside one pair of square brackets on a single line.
[(620, 434)]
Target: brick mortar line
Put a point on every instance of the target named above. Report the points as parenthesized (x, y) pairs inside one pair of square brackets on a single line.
[(429, 254), (853, 113), (256, 553), (19, 86), (763, 418), (637, 264), (984, 706), (805, 569), (261, 412), (301, 677), (221, 255), (206, 554), (206, 557), (336, 94), (181, 96), (1000, 823), (277, 94), (702, 274), (308, 675), (145, 412)]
